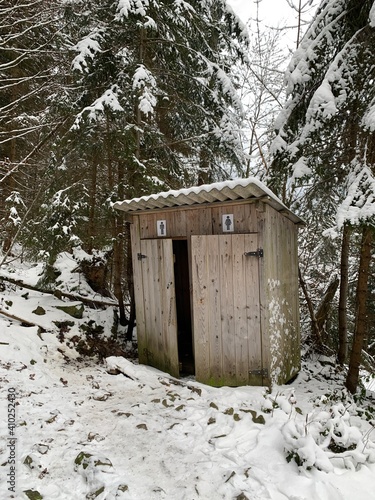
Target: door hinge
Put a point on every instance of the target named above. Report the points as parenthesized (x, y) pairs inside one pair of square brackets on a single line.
[(141, 256), (256, 253), (263, 372)]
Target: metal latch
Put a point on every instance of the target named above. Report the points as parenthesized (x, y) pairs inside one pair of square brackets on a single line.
[(257, 253), (141, 256), (263, 372)]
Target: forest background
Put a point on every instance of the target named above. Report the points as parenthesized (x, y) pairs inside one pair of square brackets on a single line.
[(103, 101)]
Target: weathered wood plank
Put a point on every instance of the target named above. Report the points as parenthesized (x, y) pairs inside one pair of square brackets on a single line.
[(227, 307), (177, 224), (214, 310), (168, 308), (199, 222), (147, 229), (200, 302), (263, 242), (138, 290), (148, 275), (252, 284), (240, 312)]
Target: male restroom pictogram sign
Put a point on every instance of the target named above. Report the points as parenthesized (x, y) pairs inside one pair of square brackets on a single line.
[(161, 227)]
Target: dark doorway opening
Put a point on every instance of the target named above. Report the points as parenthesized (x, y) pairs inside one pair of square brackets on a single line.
[(184, 327)]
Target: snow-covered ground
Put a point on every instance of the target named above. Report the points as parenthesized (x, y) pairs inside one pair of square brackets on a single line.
[(117, 429)]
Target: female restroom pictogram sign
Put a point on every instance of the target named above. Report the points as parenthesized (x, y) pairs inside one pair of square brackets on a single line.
[(227, 223)]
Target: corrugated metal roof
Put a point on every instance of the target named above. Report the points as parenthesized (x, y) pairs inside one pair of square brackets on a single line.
[(239, 189)]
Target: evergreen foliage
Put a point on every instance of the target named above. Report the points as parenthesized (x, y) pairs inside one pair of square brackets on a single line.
[(324, 161)]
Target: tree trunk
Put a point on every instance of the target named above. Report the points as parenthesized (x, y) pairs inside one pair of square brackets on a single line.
[(118, 248), (324, 308), (343, 299), (360, 320), (92, 202), (130, 283), (117, 227), (315, 332)]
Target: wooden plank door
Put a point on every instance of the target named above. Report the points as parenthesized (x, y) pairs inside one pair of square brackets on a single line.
[(226, 309), (156, 305)]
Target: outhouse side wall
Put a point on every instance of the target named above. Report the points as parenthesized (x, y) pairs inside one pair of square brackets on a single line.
[(279, 295)]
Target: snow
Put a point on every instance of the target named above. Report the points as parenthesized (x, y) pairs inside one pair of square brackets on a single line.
[(108, 100), (87, 48), (369, 118), (124, 7), (123, 430), (145, 83), (301, 169), (205, 188), (323, 101), (359, 204)]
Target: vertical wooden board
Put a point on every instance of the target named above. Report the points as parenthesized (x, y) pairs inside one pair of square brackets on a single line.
[(240, 309), (177, 223), (146, 226), (152, 321), (245, 218), (200, 302), (240, 222), (263, 242), (214, 310), (192, 223), (168, 308), (138, 290), (272, 286), (216, 217), (250, 223), (227, 308), (198, 221), (251, 271), (205, 220)]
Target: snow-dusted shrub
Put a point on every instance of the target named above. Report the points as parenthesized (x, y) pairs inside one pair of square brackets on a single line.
[(284, 400), (327, 438)]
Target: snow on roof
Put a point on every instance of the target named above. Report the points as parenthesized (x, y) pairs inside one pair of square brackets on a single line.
[(239, 189)]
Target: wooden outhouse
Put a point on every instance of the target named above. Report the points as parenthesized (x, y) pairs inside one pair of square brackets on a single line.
[(216, 283)]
